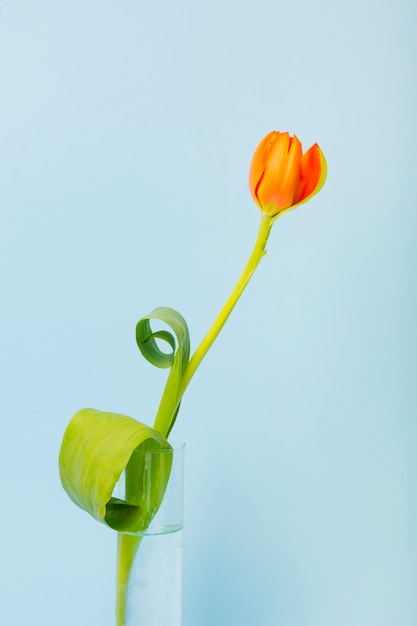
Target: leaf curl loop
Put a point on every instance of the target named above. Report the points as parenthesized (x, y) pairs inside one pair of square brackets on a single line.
[(177, 359)]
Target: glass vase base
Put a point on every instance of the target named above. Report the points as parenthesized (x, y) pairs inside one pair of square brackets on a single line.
[(154, 591)]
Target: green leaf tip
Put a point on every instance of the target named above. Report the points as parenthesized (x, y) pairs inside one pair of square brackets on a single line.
[(96, 449)]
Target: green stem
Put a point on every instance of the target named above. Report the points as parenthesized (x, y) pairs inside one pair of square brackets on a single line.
[(258, 252), (127, 546)]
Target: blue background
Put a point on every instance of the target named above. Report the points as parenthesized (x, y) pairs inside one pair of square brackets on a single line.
[(126, 135)]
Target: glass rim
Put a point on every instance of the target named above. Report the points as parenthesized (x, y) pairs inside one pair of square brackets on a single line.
[(176, 446)]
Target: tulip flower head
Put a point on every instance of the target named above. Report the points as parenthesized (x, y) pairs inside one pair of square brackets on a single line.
[(281, 176)]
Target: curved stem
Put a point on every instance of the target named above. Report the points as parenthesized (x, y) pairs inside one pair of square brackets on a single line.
[(257, 254)]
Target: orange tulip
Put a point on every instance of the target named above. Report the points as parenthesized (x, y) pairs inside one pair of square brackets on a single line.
[(281, 177)]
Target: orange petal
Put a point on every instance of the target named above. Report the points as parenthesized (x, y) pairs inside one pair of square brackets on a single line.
[(313, 170), (269, 191), (287, 186), (259, 159)]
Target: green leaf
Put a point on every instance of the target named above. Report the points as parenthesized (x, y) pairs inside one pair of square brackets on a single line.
[(176, 358), (97, 447)]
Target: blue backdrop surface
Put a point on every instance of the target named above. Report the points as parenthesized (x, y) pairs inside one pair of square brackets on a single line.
[(126, 132)]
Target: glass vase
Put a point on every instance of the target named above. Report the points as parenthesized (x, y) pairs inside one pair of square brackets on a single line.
[(149, 583)]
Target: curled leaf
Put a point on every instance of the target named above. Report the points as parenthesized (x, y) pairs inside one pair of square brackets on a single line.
[(177, 359), (96, 449)]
